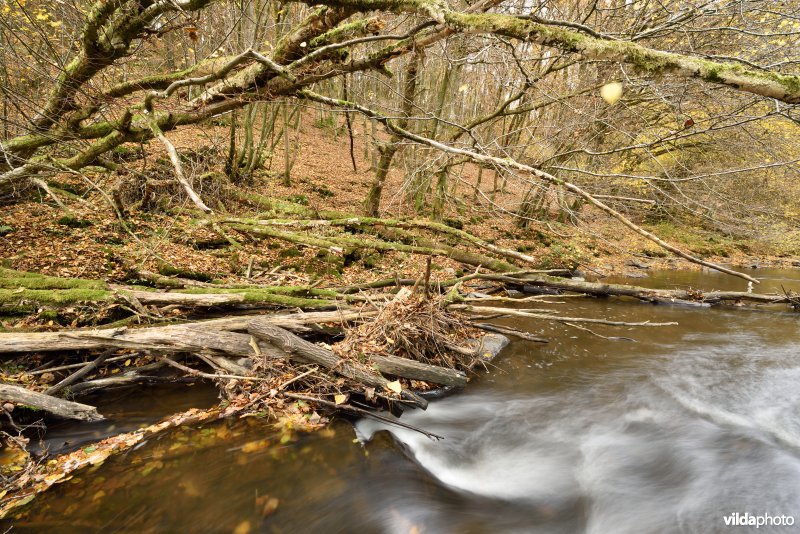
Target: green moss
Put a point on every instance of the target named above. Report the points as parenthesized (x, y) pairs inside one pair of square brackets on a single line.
[(327, 122), (278, 295), (12, 279), (58, 297), (169, 270), (458, 224), (291, 252), (322, 191), (340, 33), (49, 315), (73, 222), (791, 83), (712, 74), (5, 230), (284, 300), (298, 199)]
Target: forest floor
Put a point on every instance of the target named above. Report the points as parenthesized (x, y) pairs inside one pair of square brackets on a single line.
[(87, 241)]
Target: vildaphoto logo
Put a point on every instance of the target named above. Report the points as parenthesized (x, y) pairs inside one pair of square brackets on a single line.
[(747, 519)]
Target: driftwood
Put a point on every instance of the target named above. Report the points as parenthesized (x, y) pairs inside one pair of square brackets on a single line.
[(403, 367), (53, 405), (310, 353), (550, 317)]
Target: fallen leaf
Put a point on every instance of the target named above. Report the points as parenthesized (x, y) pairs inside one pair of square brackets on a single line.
[(394, 386), (266, 505), (243, 528), (340, 399)]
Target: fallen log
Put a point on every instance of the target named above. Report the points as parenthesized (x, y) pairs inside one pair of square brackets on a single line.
[(311, 353), (179, 338), (403, 367), (53, 405), (226, 297), (387, 240), (187, 337), (677, 296), (364, 223)]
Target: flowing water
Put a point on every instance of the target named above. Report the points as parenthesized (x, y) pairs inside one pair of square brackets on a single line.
[(671, 431)]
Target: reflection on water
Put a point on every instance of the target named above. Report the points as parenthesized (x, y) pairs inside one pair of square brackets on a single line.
[(665, 434)]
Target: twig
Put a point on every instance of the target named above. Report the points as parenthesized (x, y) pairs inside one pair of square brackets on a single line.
[(523, 313), (612, 338), (38, 182), (176, 164), (200, 374), (537, 298), (80, 373), (75, 365), (510, 331), (363, 412), (428, 277), (298, 377)]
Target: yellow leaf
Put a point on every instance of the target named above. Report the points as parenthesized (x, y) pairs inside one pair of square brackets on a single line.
[(611, 92), (127, 362), (255, 446), (340, 399), (394, 386), (55, 23), (243, 528)]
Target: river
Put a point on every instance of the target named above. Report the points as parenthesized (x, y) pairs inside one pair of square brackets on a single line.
[(671, 430)]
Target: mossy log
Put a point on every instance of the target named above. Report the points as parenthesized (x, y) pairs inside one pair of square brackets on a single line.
[(366, 223), (415, 244), (19, 288), (226, 297)]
